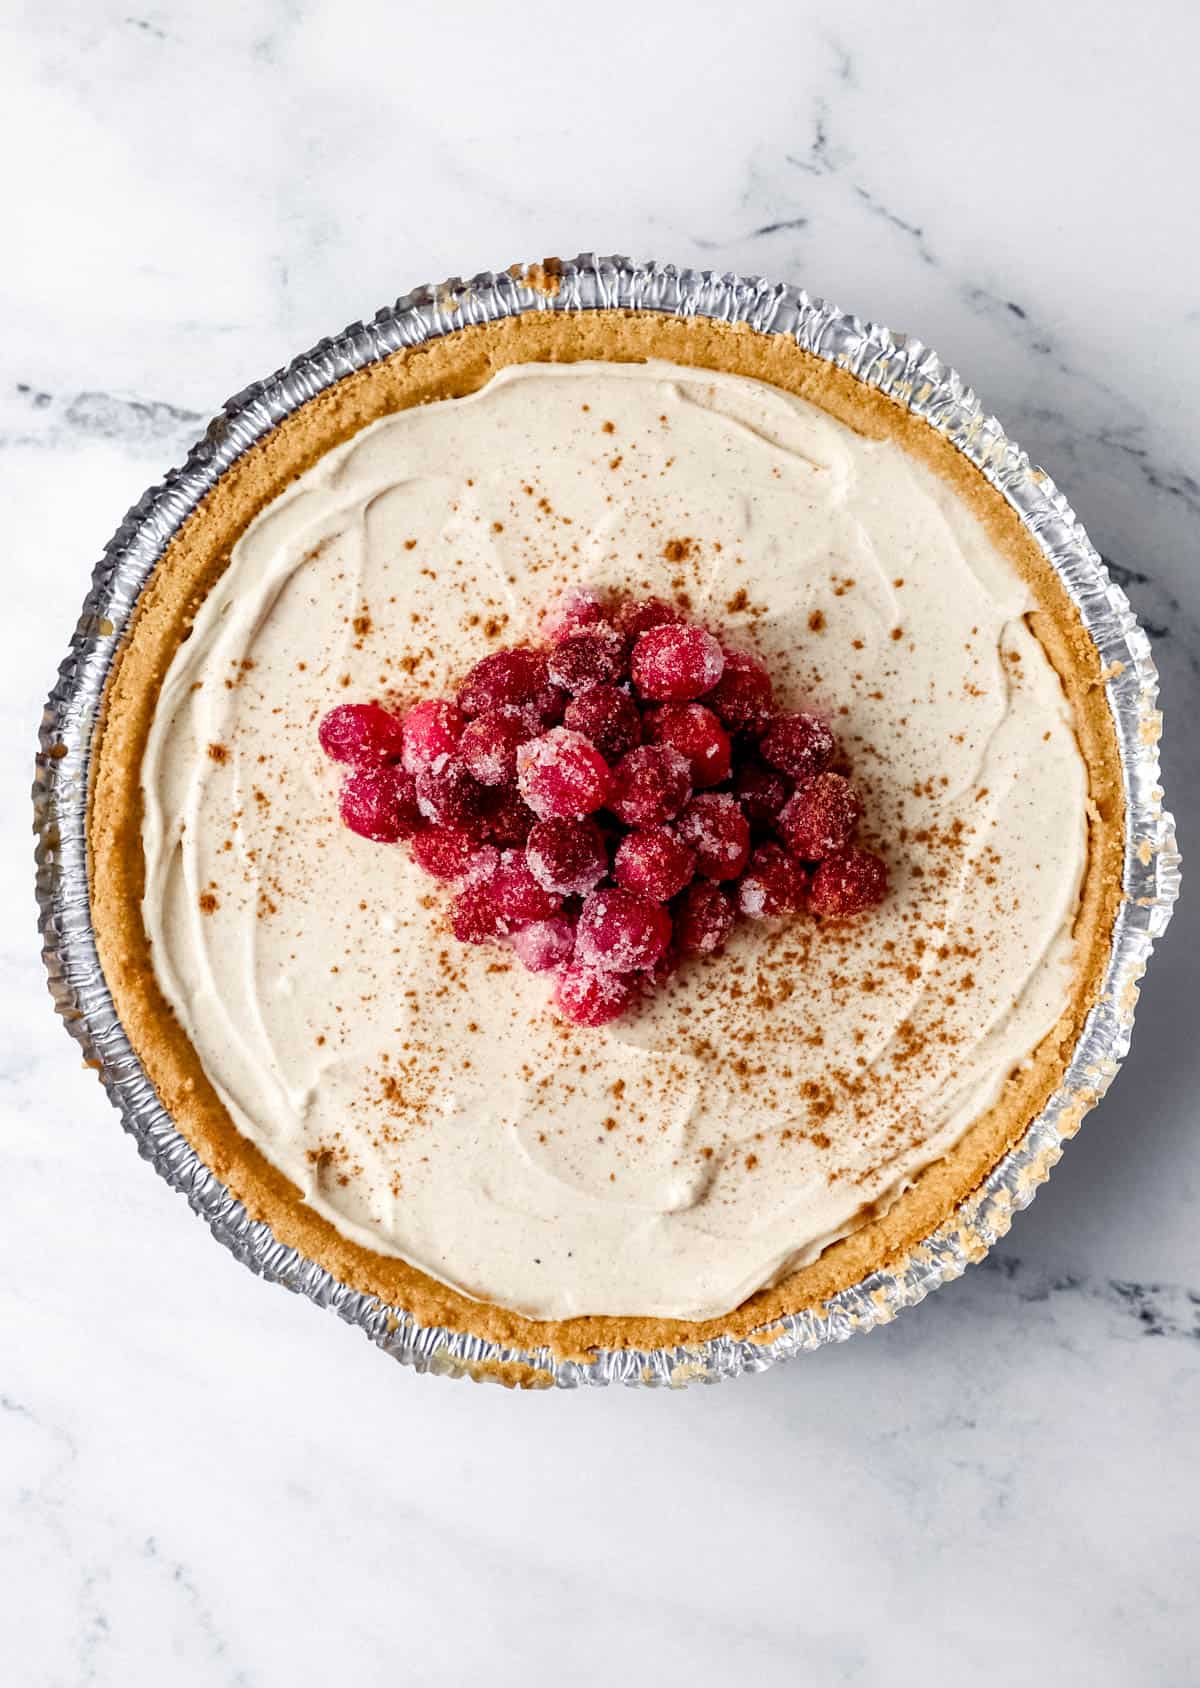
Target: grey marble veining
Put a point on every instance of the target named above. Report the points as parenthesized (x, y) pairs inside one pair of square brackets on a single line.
[(202, 1480)]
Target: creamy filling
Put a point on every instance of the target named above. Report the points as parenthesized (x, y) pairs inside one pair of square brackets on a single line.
[(419, 1092)]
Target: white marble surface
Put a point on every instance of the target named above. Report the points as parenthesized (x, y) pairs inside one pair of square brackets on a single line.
[(206, 1481)]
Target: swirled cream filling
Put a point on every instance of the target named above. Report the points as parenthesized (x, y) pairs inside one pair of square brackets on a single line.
[(419, 1092)]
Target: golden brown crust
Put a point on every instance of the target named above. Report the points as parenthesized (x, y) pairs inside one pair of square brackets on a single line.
[(450, 367)]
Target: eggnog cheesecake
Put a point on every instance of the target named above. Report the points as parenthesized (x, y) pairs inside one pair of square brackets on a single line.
[(604, 830)]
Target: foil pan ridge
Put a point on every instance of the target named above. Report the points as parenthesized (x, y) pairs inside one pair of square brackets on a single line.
[(900, 366)]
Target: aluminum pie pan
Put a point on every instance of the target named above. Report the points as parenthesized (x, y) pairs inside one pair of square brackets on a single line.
[(899, 366)]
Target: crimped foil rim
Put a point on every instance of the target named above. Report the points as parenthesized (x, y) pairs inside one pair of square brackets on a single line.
[(897, 365)]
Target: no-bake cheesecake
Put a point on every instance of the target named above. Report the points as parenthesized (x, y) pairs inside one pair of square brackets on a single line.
[(789, 1107)]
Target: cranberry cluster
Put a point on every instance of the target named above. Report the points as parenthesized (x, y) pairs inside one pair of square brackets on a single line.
[(610, 801)]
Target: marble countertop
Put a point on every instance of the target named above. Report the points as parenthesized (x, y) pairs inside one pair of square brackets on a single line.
[(204, 1480)]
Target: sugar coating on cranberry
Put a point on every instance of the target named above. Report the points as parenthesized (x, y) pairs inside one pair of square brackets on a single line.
[(515, 891), (655, 862), (567, 855), (562, 773), (506, 677), (799, 745), (773, 883), (650, 785), (695, 732), (635, 616), (591, 656), (620, 932), (673, 664), (545, 945), (380, 804), (609, 717), (448, 795), (743, 697), (819, 819), (444, 852), (703, 918), (589, 997), (847, 884), (717, 830), (761, 790), (363, 734), (488, 746), (431, 729), (474, 916), (577, 607)]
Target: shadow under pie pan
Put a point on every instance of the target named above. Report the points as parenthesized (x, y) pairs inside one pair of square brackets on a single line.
[(779, 334)]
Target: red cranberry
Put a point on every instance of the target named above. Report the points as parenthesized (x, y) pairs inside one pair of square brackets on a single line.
[(448, 795), (635, 616), (743, 697), (848, 883), (474, 916), (594, 656), (548, 706), (653, 862), (609, 717), (799, 745), (588, 997), (488, 747), (762, 791), (431, 729), (444, 851), (577, 607), (380, 803), (650, 785), (567, 855), (703, 919), (819, 819), (715, 827), (543, 945), (673, 664), (773, 883), (516, 893), (507, 818), (620, 932), (506, 677), (694, 732), (364, 734), (562, 774)]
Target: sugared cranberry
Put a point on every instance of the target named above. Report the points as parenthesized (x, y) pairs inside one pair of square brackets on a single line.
[(488, 746), (567, 855), (799, 745), (703, 918), (762, 791), (506, 677), (380, 803), (717, 830), (515, 891), (363, 734), (507, 818), (548, 706), (620, 932), (848, 883), (694, 732), (431, 729), (654, 862), (562, 773), (650, 785), (594, 656), (474, 916), (743, 697), (448, 795), (635, 616), (673, 664), (773, 883), (445, 852), (577, 607), (543, 945), (609, 717), (819, 819), (588, 997)]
